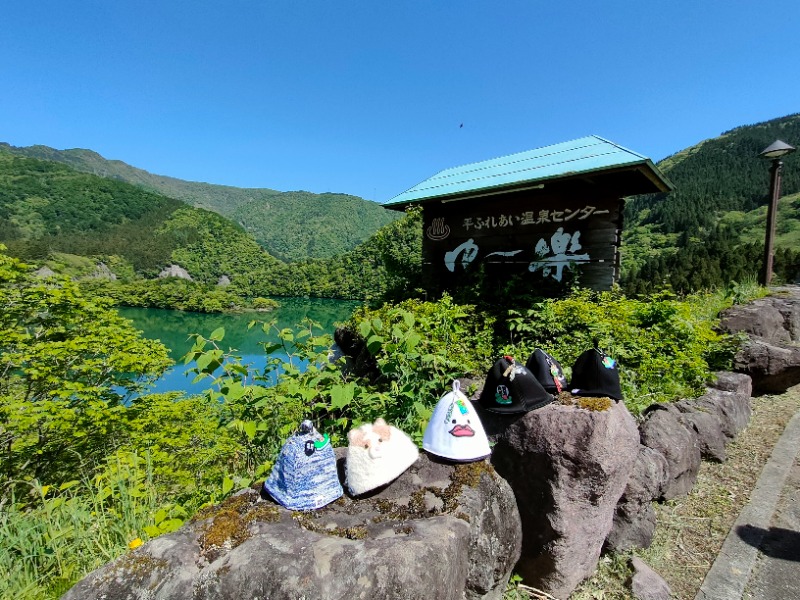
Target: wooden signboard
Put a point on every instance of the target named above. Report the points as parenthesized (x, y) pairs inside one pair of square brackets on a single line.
[(551, 239)]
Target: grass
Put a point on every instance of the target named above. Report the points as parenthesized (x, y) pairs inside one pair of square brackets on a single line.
[(52, 537), (691, 530)]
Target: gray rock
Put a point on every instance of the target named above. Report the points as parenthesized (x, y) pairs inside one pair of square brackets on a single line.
[(760, 318), (738, 383), (223, 281), (771, 357), (662, 430), (634, 517), (706, 422), (733, 410), (438, 531), (790, 310), (104, 272), (175, 271), (646, 584), (773, 367), (44, 272), (568, 467)]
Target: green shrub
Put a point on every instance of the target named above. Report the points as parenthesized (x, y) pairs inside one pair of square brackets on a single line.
[(666, 348)]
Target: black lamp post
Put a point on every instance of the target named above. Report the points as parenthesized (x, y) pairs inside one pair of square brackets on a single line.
[(774, 152)]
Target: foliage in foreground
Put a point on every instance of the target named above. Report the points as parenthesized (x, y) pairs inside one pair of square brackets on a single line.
[(85, 469), (667, 348), (88, 471)]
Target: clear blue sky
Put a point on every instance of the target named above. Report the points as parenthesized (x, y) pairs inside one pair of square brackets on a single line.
[(368, 97)]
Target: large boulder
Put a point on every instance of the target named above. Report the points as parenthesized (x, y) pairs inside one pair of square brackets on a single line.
[(675, 436), (568, 467), (707, 423), (771, 356), (760, 318), (775, 318), (739, 383), (733, 410), (661, 429), (438, 531), (635, 517), (773, 367), (789, 307)]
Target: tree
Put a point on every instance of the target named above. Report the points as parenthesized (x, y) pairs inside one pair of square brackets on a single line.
[(67, 366)]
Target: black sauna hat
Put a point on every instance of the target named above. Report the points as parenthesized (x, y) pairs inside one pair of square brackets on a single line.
[(596, 374), (511, 388), (547, 370)]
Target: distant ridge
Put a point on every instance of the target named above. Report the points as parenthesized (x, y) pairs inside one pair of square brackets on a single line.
[(49, 208), (719, 174), (290, 225), (709, 232)]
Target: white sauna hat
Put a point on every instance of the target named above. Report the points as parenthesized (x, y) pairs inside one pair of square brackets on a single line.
[(455, 431)]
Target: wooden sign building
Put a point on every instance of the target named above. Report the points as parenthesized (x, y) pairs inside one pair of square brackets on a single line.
[(552, 215)]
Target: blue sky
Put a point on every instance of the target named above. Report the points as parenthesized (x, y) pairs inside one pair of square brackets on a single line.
[(369, 97)]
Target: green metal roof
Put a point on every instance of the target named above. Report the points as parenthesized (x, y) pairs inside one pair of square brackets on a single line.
[(584, 155)]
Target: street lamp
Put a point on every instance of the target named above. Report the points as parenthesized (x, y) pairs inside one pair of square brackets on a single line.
[(774, 152)]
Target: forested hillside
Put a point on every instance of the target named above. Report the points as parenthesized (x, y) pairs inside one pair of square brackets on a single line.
[(300, 225), (55, 216), (47, 208), (290, 225), (709, 231)]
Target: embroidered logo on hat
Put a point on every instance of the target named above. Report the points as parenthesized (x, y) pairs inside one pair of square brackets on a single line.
[(455, 432), (596, 374), (377, 454), (304, 476), (511, 388), (547, 370)]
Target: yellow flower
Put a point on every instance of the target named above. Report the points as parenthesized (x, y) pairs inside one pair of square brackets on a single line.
[(135, 543)]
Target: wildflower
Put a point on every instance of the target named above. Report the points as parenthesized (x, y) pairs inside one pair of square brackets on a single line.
[(135, 543)]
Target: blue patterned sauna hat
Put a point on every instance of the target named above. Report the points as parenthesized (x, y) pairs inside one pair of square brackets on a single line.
[(304, 476)]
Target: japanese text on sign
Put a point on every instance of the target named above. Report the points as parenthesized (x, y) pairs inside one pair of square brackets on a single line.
[(532, 218)]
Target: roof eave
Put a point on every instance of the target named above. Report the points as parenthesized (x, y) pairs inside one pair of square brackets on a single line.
[(651, 172)]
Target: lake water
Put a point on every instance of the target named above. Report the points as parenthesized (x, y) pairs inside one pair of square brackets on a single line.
[(173, 328)]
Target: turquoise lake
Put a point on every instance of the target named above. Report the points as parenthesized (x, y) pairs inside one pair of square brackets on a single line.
[(173, 328)]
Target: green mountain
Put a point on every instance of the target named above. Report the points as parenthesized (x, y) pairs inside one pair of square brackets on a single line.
[(49, 209), (290, 225), (709, 231), (719, 174)]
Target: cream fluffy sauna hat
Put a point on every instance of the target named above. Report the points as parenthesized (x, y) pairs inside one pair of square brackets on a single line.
[(377, 454)]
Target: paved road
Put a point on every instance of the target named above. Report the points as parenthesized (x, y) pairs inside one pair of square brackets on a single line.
[(760, 559), (776, 573)]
